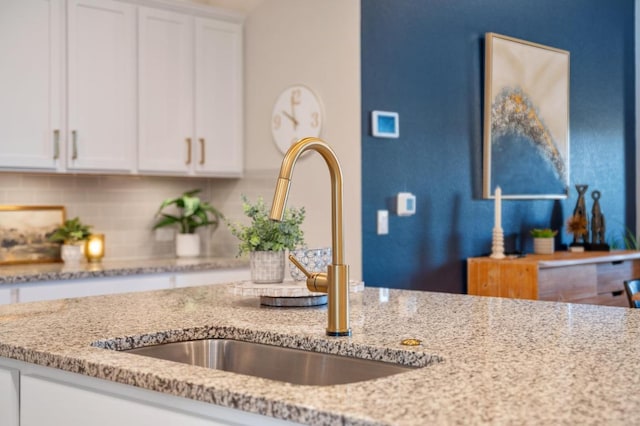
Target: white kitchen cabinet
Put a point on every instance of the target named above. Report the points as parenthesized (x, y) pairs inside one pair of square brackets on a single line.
[(62, 289), (165, 91), (31, 78), (52, 290), (218, 98), (5, 296), (54, 397), (93, 86), (9, 397), (190, 95), (101, 55), (47, 402)]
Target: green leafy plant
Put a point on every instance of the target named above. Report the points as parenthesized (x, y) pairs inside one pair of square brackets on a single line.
[(264, 234), (71, 231), (543, 233), (630, 240), (192, 213)]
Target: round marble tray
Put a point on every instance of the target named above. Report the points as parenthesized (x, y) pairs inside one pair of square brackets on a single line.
[(296, 302), (287, 293)]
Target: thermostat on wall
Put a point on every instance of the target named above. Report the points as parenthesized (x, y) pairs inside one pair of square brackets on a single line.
[(385, 124), (406, 204)]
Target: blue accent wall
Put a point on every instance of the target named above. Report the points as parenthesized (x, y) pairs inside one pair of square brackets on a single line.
[(424, 59)]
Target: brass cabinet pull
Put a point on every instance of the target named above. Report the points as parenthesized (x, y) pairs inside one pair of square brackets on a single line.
[(74, 140), (56, 144), (188, 141), (202, 155)]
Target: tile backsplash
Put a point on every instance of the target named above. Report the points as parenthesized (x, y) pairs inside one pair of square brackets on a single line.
[(124, 207)]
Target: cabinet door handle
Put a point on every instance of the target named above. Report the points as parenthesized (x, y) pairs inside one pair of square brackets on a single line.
[(202, 152), (188, 141), (56, 144), (74, 141)]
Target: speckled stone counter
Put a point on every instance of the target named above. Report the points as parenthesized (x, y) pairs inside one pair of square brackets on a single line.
[(486, 360), (15, 274)]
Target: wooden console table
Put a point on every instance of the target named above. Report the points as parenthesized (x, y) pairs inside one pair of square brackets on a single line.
[(588, 277)]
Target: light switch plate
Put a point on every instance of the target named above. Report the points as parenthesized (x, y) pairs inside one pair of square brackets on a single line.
[(383, 222)]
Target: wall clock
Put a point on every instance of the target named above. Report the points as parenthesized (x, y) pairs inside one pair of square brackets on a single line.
[(297, 114)]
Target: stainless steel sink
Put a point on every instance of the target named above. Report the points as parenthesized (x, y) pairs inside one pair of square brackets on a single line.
[(272, 362)]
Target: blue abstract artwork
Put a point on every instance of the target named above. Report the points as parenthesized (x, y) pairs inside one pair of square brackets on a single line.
[(519, 133), (526, 119)]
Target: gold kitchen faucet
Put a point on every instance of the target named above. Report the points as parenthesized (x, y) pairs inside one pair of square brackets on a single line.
[(335, 282)]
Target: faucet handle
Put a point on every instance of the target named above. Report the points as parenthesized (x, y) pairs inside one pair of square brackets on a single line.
[(293, 260), (315, 282)]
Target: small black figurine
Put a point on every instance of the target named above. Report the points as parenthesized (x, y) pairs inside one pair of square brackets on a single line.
[(598, 226), (580, 216)]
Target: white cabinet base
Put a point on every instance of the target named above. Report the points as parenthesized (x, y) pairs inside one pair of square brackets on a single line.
[(9, 396), (47, 402), (54, 397)]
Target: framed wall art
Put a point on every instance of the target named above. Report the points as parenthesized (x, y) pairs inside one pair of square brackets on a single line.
[(526, 119), (24, 232)]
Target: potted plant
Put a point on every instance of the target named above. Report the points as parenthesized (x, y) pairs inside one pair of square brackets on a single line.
[(73, 235), (543, 240), (266, 240), (189, 213)]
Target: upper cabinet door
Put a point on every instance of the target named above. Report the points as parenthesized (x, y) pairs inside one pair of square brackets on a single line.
[(102, 86), (165, 89), (218, 147), (30, 83)]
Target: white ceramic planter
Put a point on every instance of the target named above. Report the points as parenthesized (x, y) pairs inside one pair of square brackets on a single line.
[(543, 245), (267, 267), (187, 245), (72, 254)]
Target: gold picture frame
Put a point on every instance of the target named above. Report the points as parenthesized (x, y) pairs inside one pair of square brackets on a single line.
[(526, 119), (24, 232)]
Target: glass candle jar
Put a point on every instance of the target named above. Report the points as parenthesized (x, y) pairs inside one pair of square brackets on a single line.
[(95, 248)]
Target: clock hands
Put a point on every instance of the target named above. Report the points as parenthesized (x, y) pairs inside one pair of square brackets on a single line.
[(295, 100), (292, 118)]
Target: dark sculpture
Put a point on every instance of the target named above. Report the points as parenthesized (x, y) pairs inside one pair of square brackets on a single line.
[(580, 215), (598, 226)]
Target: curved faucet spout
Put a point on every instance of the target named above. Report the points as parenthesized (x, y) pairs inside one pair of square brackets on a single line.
[(335, 171), (337, 277)]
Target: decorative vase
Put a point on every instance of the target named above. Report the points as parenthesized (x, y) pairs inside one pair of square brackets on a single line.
[(187, 245), (314, 260), (72, 254), (267, 267), (543, 245)]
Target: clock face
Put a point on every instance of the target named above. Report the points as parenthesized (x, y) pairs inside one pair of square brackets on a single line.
[(297, 114)]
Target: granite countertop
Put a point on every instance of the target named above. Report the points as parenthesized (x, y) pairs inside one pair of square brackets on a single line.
[(487, 360), (24, 273)]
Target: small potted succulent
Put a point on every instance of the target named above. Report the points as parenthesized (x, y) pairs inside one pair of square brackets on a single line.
[(543, 242), (73, 235), (189, 213), (266, 240)]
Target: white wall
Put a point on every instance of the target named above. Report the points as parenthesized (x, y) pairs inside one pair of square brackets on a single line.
[(315, 43)]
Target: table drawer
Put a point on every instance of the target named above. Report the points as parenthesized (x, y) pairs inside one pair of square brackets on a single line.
[(611, 276), (618, 298), (567, 283)]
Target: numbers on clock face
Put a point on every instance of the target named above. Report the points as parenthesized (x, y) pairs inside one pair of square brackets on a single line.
[(297, 113)]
